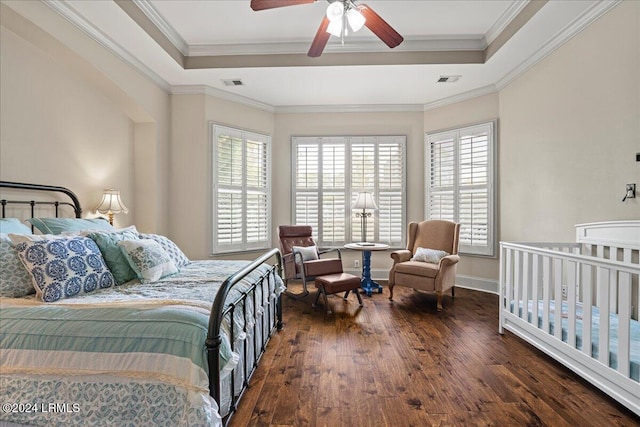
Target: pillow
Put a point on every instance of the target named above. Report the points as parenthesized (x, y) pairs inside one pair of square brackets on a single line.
[(148, 259), (64, 267), (308, 253), (175, 253), (60, 225), (15, 281), (13, 225), (117, 262), (432, 256)]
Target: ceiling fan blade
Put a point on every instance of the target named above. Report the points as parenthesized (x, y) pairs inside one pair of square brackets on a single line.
[(320, 40), (272, 4), (380, 27)]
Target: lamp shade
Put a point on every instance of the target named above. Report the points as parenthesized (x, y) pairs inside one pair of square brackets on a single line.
[(365, 201), (111, 203)]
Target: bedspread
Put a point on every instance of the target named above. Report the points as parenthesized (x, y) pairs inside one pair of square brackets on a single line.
[(128, 355)]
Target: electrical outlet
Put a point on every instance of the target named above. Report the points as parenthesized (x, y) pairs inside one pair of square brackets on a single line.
[(356, 263), (564, 291)]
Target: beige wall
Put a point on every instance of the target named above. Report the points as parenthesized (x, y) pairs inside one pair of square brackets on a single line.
[(569, 133), (80, 117)]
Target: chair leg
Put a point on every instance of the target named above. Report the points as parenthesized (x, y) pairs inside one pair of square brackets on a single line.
[(326, 301), (359, 297), (439, 298), (453, 292), (391, 292), (315, 302), (346, 294)]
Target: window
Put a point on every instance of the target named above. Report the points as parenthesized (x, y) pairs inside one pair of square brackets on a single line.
[(241, 190), (328, 173), (460, 184)]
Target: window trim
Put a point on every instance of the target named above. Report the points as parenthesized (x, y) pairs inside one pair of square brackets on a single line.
[(349, 192), (244, 246), (489, 250)]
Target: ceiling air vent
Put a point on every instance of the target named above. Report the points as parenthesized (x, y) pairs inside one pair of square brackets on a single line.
[(233, 82), (448, 79)]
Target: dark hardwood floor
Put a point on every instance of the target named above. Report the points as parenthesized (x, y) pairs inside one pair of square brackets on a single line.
[(404, 364)]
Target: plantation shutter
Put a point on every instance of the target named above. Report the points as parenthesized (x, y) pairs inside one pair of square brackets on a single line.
[(241, 199), (329, 172), (460, 184)]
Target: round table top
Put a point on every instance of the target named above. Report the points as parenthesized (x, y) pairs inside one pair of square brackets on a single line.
[(367, 246)]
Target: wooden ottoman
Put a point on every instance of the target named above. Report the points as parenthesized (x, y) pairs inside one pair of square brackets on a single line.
[(334, 283)]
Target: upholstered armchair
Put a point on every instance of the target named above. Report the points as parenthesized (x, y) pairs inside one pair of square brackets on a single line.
[(302, 258), (429, 262)]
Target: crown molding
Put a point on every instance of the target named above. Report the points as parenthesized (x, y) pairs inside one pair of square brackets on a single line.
[(218, 93), (563, 36), (158, 20), (352, 108), (67, 12), (465, 96), (501, 23)]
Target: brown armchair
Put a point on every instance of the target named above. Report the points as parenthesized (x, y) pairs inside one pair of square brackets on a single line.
[(305, 265), (438, 276)]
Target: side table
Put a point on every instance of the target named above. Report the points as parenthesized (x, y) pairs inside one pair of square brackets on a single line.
[(367, 284)]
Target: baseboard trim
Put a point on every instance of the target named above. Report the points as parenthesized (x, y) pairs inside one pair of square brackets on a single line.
[(468, 282)]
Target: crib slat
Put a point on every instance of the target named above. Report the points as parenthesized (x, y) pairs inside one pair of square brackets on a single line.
[(603, 305), (624, 322), (546, 292), (587, 302), (557, 308), (509, 281), (535, 297), (613, 290), (525, 288), (571, 302), (517, 281)]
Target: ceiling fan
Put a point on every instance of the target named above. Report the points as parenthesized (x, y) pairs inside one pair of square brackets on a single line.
[(341, 16)]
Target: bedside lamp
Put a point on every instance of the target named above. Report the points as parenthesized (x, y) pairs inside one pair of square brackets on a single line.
[(365, 202), (111, 204)]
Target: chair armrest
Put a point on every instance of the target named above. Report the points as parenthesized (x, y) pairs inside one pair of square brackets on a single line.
[(401, 255), (326, 251), (320, 267), (449, 260)]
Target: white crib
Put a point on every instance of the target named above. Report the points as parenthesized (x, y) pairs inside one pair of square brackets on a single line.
[(600, 271)]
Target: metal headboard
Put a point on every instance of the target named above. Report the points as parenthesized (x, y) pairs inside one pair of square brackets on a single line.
[(75, 203)]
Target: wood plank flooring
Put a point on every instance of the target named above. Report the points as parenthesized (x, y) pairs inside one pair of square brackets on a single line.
[(404, 364)]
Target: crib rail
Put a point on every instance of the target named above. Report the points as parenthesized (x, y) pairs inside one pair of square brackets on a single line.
[(551, 293)]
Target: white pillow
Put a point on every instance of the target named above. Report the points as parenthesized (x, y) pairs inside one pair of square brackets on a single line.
[(432, 256), (308, 253), (148, 259)]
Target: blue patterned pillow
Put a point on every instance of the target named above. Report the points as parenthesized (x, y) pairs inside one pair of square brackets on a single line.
[(15, 281), (177, 256), (148, 259), (65, 267)]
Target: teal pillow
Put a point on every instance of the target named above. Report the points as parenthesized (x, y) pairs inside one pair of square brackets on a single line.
[(13, 225), (61, 225), (117, 262)]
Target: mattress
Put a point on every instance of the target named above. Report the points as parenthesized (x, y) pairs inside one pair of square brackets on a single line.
[(132, 355), (595, 332)]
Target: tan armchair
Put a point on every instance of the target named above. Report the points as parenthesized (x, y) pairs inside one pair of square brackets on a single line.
[(305, 266), (437, 277)]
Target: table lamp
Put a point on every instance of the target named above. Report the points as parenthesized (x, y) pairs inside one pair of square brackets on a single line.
[(364, 201), (111, 204)]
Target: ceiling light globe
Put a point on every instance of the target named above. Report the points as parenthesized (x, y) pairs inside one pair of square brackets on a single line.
[(356, 19), (335, 11)]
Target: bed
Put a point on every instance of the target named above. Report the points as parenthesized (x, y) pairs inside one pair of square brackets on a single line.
[(176, 351), (578, 302)]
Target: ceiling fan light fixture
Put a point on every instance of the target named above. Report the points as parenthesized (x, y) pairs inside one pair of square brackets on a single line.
[(335, 11), (335, 27), (355, 18)]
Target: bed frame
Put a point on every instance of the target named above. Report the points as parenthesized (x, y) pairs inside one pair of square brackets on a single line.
[(601, 269), (271, 320)]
